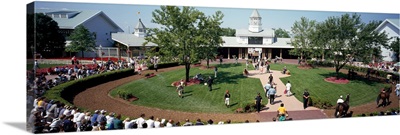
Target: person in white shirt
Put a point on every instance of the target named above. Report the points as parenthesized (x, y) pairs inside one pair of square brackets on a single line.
[(129, 123), (150, 122), (157, 123), (288, 86), (79, 119), (170, 123), (140, 121)]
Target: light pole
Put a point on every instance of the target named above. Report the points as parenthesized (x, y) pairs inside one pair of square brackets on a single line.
[(101, 55)]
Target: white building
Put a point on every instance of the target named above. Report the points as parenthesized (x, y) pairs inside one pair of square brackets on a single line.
[(255, 41), (95, 21), (392, 29)]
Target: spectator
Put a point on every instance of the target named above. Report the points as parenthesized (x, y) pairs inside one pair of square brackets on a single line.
[(306, 95), (157, 123), (187, 123), (258, 101), (210, 82), (117, 122), (271, 93), (282, 110), (150, 122), (198, 122), (140, 121), (397, 90), (227, 97), (170, 123), (267, 87), (288, 86), (210, 122), (94, 117), (179, 89), (271, 78), (96, 126)]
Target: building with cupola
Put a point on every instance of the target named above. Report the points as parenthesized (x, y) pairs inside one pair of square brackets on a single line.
[(255, 41)]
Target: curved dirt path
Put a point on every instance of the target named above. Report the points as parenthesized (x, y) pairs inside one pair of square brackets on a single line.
[(97, 98)]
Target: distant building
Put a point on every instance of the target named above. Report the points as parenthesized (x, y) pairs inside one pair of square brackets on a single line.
[(392, 29), (95, 21), (256, 41), (133, 42)]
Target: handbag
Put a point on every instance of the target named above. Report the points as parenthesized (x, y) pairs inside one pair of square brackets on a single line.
[(284, 92)]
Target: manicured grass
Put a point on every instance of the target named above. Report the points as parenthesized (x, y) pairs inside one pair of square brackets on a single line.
[(158, 92), (361, 91), (30, 66)]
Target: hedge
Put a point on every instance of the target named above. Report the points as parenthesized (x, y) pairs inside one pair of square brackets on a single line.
[(66, 92), (164, 65), (364, 70)]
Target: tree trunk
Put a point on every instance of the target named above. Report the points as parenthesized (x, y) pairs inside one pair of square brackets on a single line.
[(337, 73), (187, 67), (208, 62), (82, 54)]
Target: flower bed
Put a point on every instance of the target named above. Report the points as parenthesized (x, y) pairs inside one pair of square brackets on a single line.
[(149, 75), (337, 81), (191, 82)]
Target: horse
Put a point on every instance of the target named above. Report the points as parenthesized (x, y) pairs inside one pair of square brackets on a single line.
[(384, 96), (341, 109)]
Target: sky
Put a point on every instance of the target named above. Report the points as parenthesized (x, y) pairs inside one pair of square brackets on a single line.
[(126, 15)]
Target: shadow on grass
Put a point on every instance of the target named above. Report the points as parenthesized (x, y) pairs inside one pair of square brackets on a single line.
[(186, 95), (234, 104), (228, 77), (356, 79)]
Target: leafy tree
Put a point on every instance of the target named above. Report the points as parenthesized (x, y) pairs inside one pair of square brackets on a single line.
[(43, 35), (210, 36), (180, 37), (346, 37), (281, 33), (229, 32), (395, 47), (303, 32), (81, 40)]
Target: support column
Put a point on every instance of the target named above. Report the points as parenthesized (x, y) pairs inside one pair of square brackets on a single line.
[(240, 53), (109, 53), (280, 53), (118, 51), (263, 53), (323, 56), (229, 53), (269, 53), (246, 53)]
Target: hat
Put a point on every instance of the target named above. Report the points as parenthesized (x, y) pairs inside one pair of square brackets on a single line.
[(163, 121), (127, 119), (341, 96), (97, 111), (103, 111)]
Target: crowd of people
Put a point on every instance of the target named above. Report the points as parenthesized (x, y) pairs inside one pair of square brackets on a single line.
[(49, 116)]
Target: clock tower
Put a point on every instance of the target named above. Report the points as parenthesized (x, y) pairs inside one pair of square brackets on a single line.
[(255, 22)]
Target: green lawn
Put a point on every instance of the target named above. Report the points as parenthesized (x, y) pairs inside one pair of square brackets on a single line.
[(158, 92), (361, 91), (30, 66)]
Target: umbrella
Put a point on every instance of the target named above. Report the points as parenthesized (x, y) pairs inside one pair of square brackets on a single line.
[(397, 64)]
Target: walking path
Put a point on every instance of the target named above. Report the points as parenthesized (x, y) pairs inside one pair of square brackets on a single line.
[(291, 103)]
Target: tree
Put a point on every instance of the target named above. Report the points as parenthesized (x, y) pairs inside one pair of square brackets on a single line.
[(43, 35), (346, 37), (229, 32), (303, 32), (81, 40), (395, 47), (210, 36), (281, 33), (180, 36)]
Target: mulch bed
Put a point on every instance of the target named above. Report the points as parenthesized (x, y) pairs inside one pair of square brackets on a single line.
[(191, 82), (304, 67), (133, 98), (337, 81), (149, 75)]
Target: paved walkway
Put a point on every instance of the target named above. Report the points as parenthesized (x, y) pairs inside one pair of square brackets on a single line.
[(291, 103)]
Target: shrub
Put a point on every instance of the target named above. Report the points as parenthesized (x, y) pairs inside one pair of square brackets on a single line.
[(66, 92), (164, 65), (124, 95)]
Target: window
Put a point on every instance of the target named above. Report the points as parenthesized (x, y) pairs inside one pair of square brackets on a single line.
[(255, 40)]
